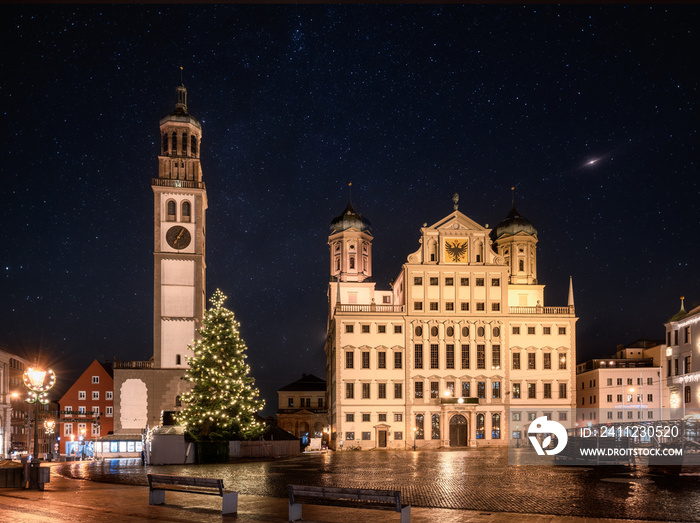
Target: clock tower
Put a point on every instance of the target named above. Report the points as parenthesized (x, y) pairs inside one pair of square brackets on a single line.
[(179, 204)]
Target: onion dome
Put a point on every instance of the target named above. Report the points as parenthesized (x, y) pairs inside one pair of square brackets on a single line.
[(180, 113), (513, 224), (680, 314), (350, 220)]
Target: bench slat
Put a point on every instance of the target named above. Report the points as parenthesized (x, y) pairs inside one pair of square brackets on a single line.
[(392, 497), (186, 481)]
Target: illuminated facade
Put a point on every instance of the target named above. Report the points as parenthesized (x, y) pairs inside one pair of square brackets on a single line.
[(682, 357), (145, 389), (302, 409), (462, 336)]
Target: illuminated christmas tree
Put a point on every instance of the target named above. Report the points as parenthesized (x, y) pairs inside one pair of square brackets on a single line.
[(223, 400)]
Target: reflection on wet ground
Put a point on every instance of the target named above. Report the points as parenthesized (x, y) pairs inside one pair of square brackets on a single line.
[(476, 479)]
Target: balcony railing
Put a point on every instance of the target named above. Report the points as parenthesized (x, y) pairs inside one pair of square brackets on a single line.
[(185, 184), (368, 308), (542, 310), (465, 401), (133, 364)]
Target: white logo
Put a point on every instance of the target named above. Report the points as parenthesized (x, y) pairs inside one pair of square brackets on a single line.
[(544, 426)]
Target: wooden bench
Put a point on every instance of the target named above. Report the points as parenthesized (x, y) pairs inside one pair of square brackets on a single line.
[(206, 486), (369, 498)]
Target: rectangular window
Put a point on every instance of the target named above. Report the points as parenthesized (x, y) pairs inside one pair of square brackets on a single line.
[(290, 402), (433, 305), (68, 409), (365, 391), (546, 330), (610, 414), (496, 356), (434, 389), (466, 389), (531, 390), (434, 362), (465, 356), (449, 356), (349, 391), (381, 360), (495, 307), (687, 334), (398, 417), (479, 282), (417, 305), (530, 360), (449, 306), (650, 397), (516, 416), (516, 360), (81, 395), (619, 381), (95, 394), (481, 389), (434, 280), (496, 389), (562, 330), (398, 391), (531, 330), (516, 330), (686, 365), (366, 436), (495, 282), (82, 411), (381, 391), (418, 386), (418, 349), (464, 282), (547, 363), (398, 436), (449, 282), (609, 398), (365, 417), (381, 329), (668, 368), (480, 306), (417, 280), (629, 381), (450, 388), (609, 382), (320, 403), (398, 360), (95, 379), (350, 436), (481, 356), (619, 398), (350, 418), (108, 411), (465, 305), (382, 417), (365, 360), (365, 329), (67, 429), (108, 395), (349, 356), (547, 391), (650, 381), (397, 329), (349, 329), (516, 391)]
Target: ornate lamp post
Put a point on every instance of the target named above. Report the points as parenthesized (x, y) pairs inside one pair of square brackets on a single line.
[(38, 382)]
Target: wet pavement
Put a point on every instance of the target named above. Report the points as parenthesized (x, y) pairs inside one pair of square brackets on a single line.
[(475, 480)]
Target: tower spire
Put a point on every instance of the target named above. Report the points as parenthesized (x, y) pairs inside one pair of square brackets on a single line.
[(571, 291)]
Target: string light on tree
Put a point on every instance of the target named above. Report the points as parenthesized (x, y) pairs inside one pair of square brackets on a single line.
[(224, 400)]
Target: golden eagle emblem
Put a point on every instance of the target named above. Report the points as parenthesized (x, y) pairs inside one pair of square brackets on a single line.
[(456, 251)]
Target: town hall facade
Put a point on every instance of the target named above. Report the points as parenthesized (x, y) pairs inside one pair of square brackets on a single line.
[(461, 351)]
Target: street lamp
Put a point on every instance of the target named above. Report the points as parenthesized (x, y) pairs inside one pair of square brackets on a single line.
[(38, 382)]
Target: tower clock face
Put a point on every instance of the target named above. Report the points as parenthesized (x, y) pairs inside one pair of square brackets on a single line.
[(178, 237), (456, 250)]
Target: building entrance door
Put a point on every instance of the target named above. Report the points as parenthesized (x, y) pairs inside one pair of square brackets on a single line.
[(381, 438), (458, 431)]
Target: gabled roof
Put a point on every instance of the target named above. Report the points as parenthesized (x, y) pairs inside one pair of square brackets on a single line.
[(457, 220), (307, 382)]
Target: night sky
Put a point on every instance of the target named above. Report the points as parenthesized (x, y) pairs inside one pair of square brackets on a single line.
[(590, 112)]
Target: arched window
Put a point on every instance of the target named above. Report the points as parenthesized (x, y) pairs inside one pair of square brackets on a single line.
[(184, 144), (165, 144), (465, 332), (435, 431), (687, 393), (178, 359), (193, 145), (419, 331), (433, 331), (480, 430), (496, 332), (178, 401), (419, 427), (173, 146), (186, 211), (352, 262), (496, 426), (171, 211)]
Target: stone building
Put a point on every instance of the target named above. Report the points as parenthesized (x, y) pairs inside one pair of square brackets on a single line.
[(302, 409), (682, 357), (145, 389), (460, 351)]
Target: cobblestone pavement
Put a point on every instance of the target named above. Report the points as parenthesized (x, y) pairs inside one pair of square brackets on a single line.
[(475, 479)]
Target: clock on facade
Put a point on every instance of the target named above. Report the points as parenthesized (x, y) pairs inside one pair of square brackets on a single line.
[(456, 250), (178, 237)]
